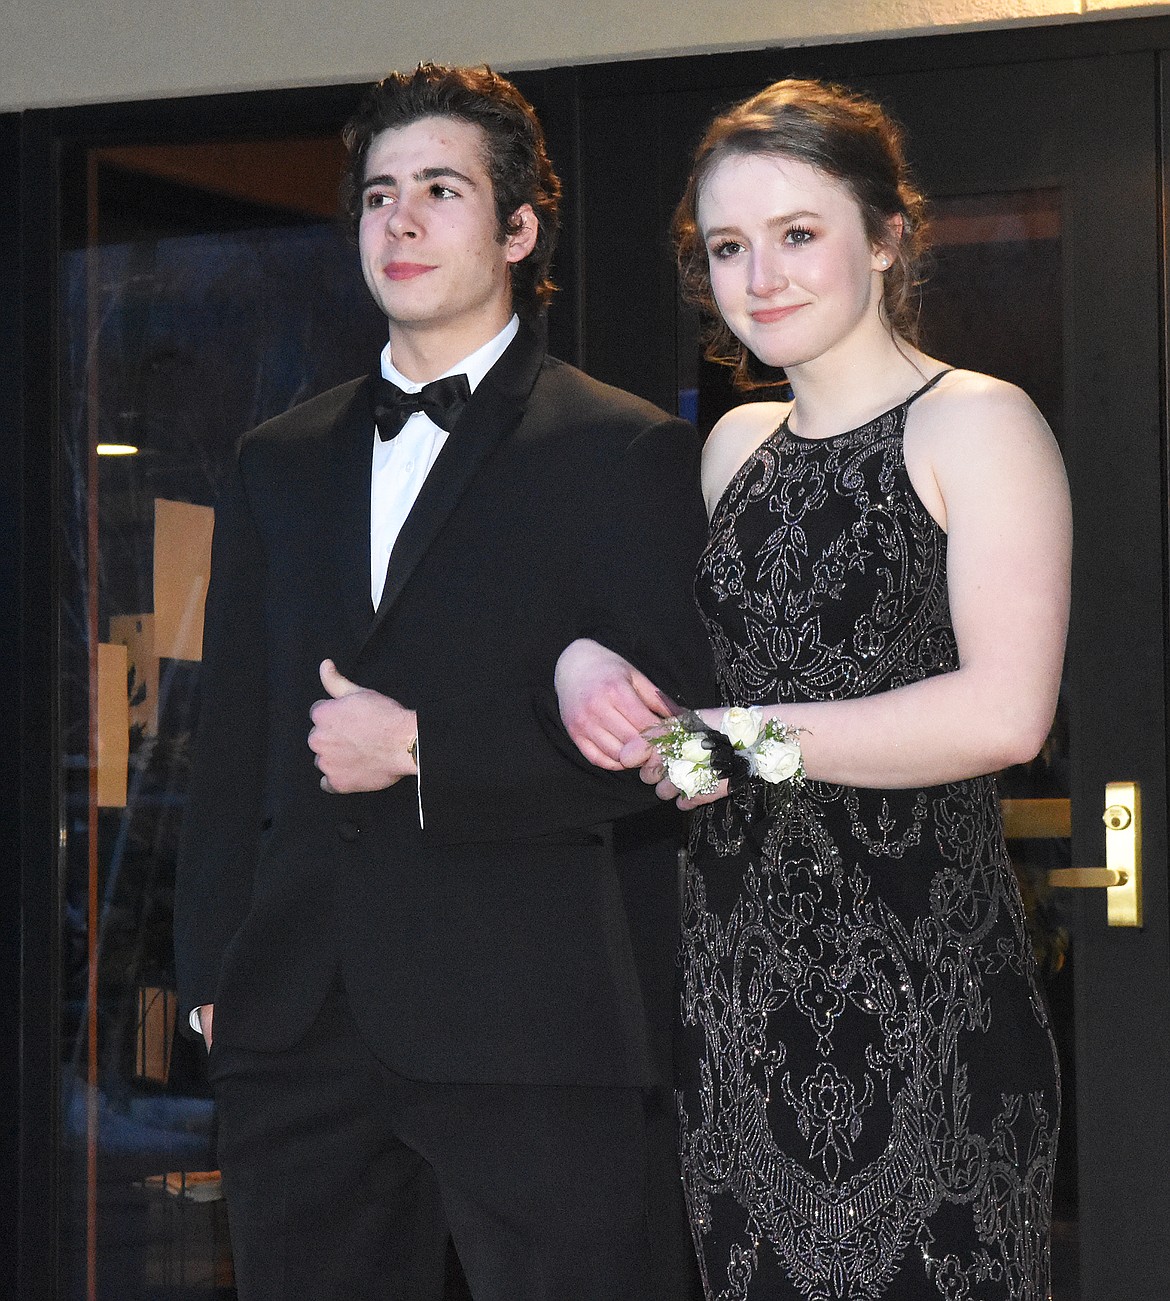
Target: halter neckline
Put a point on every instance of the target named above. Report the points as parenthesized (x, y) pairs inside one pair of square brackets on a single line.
[(918, 392)]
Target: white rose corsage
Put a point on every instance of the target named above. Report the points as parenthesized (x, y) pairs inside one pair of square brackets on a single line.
[(697, 757)]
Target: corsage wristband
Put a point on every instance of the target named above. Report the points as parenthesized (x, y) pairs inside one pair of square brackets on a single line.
[(698, 757)]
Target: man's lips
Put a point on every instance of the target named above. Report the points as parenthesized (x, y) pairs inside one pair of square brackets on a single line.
[(405, 270), (770, 315)]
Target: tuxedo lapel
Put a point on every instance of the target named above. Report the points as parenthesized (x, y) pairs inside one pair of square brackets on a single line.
[(347, 501), (495, 409)]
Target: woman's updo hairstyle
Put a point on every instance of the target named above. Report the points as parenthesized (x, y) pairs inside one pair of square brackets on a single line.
[(845, 136)]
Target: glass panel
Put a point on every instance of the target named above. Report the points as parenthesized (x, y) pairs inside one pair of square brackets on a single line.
[(993, 299), (205, 288), (993, 302)]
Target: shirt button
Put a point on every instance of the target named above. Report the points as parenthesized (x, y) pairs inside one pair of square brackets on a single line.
[(349, 831), (408, 468)]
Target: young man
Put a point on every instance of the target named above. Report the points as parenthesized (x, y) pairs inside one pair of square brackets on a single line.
[(407, 939)]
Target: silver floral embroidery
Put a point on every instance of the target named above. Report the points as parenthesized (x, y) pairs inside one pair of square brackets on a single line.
[(871, 1091)]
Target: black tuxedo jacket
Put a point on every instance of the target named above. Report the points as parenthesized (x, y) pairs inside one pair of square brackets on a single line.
[(492, 944)]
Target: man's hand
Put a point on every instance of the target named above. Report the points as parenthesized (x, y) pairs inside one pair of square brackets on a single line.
[(361, 739), (206, 1016), (605, 702)]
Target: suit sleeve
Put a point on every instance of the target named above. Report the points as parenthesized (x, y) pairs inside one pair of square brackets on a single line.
[(221, 824), (644, 576), (506, 768)]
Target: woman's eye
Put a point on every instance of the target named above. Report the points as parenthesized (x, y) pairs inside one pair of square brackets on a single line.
[(798, 235), (378, 199), (726, 248)]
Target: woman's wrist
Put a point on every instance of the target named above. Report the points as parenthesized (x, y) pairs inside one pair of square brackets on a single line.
[(698, 751)]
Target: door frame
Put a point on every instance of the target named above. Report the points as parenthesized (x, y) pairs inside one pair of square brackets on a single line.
[(36, 147)]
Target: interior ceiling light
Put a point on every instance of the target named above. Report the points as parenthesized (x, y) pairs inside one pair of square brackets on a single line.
[(117, 449)]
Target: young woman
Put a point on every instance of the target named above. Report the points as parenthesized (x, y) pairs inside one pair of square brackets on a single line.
[(868, 1092)]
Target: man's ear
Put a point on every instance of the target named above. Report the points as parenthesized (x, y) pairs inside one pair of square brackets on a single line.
[(524, 229)]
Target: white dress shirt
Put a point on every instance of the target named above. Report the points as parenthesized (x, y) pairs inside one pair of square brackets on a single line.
[(402, 464)]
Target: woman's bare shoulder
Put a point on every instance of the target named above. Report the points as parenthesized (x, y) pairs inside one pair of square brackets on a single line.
[(974, 429), (978, 400), (736, 435), (969, 414)]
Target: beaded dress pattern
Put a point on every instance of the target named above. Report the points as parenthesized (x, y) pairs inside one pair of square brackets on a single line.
[(868, 1092)]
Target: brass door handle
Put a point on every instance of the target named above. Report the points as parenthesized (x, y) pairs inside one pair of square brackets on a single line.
[(1087, 878), (1122, 874)]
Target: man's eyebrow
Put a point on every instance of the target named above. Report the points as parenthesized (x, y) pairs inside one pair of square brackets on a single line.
[(435, 173), (427, 174)]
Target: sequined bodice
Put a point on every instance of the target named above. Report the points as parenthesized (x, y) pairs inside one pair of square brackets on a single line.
[(803, 522)]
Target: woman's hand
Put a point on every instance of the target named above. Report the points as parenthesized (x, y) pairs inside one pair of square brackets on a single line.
[(639, 752), (605, 702)]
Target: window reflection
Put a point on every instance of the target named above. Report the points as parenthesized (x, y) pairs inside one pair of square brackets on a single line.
[(994, 299), (209, 289)]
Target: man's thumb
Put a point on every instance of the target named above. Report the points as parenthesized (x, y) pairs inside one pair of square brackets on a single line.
[(333, 682)]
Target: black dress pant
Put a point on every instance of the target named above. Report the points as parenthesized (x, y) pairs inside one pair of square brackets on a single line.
[(343, 1177)]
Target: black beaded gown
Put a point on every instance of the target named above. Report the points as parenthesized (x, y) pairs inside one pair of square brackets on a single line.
[(868, 1091)]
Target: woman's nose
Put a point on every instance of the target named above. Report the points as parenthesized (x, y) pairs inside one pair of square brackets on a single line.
[(768, 275)]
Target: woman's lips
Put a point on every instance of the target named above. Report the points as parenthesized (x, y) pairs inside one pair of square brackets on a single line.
[(770, 315)]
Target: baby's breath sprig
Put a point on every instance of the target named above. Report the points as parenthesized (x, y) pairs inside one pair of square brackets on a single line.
[(697, 757)]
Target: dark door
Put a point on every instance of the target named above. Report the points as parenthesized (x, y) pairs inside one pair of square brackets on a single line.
[(1046, 181), (1076, 174)]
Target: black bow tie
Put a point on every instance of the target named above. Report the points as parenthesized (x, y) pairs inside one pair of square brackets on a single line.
[(442, 400)]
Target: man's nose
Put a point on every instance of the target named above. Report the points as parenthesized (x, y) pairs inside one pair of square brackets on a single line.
[(402, 220)]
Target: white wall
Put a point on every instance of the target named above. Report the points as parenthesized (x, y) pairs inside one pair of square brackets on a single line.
[(56, 52)]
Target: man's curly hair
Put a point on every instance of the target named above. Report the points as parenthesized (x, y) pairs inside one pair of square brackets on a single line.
[(514, 154)]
